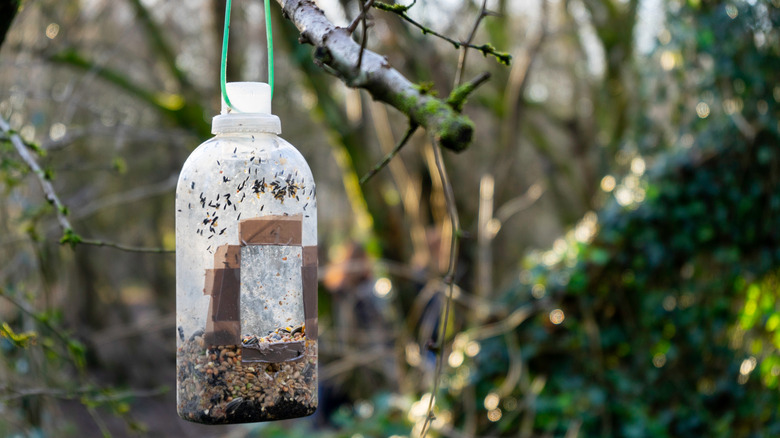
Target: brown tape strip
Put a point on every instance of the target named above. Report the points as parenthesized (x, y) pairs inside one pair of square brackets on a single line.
[(276, 352), (222, 333), (271, 230), (310, 255), (309, 275), (228, 284), (222, 322), (208, 283), (227, 256)]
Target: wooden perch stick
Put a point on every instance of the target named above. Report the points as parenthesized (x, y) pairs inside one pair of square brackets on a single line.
[(336, 50)]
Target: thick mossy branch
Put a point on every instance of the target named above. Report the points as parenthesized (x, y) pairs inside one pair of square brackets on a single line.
[(338, 53)]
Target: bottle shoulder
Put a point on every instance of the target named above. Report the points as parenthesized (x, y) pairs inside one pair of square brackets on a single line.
[(259, 153)]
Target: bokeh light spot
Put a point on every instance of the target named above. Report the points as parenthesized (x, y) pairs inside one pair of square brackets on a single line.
[(52, 30), (491, 401), (608, 183), (557, 316), (494, 415), (382, 287), (702, 110)]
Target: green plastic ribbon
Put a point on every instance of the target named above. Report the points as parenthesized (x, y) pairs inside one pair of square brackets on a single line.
[(225, 39)]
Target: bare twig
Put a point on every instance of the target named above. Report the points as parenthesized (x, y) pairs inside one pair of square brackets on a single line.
[(520, 203), (132, 195), (141, 327), (364, 8), (408, 187), (465, 46), (98, 421), (381, 165), (509, 323), (364, 37), (486, 49), (354, 360), (78, 393), (449, 279), (361, 18), (127, 248)]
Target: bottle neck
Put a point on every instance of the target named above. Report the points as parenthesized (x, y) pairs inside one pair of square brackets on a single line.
[(245, 123)]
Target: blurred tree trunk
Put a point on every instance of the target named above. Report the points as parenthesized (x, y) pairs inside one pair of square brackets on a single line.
[(8, 10)]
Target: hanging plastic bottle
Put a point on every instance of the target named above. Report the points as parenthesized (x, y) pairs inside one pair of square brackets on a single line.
[(246, 271)]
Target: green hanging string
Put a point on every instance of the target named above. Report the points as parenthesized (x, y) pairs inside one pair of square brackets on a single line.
[(225, 38), (269, 38)]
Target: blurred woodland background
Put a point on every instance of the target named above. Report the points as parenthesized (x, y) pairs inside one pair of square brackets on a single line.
[(619, 245)]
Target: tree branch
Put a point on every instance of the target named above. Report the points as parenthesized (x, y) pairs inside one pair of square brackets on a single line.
[(338, 53), (381, 165), (68, 234), (43, 179)]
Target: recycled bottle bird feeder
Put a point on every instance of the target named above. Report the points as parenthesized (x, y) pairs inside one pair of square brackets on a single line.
[(246, 271)]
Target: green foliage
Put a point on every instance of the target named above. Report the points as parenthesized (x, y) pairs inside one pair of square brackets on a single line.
[(70, 237), (19, 340), (672, 323), (502, 57), (12, 170), (119, 165), (396, 8)]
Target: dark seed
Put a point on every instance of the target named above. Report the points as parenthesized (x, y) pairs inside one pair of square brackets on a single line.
[(235, 403)]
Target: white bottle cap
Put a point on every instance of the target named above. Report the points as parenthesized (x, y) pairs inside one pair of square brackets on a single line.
[(248, 97), (251, 112)]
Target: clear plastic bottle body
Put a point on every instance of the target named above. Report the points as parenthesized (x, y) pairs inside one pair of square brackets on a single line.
[(246, 263)]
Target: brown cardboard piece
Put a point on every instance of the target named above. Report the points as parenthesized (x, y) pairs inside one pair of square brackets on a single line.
[(309, 277), (223, 325), (271, 230)]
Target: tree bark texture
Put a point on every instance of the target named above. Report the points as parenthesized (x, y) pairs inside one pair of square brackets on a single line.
[(338, 54)]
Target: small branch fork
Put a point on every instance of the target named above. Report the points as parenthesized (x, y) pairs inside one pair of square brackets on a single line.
[(364, 8), (68, 235), (483, 12), (486, 49)]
